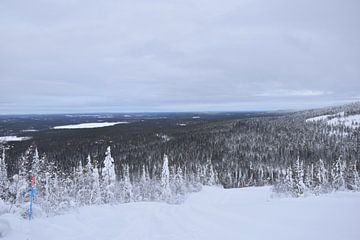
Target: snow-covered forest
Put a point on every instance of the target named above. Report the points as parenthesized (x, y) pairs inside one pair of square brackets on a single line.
[(298, 157), (57, 192)]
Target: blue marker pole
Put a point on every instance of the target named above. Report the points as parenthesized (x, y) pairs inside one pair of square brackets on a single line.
[(32, 194)]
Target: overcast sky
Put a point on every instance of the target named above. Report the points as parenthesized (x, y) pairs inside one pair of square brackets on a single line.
[(186, 55)]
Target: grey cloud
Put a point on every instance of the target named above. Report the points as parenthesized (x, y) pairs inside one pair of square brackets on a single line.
[(76, 56)]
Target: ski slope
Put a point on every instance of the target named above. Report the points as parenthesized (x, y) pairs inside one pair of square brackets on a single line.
[(213, 213)]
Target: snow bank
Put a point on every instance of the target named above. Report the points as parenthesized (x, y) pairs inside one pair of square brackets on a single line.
[(214, 213), (338, 119), (89, 125), (13, 138)]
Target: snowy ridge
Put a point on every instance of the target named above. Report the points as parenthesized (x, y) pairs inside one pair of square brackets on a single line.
[(214, 213), (338, 119)]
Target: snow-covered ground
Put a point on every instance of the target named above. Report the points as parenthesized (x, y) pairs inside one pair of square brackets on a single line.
[(89, 125), (338, 119), (213, 213), (13, 138)]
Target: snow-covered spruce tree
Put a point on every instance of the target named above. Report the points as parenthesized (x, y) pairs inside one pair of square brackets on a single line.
[(352, 177), (88, 179), (178, 186), (108, 178), (59, 197), (192, 177), (285, 184), (4, 181), (35, 164), (143, 188), (80, 194), (153, 186), (39, 170), (46, 193), (320, 178), (210, 174), (308, 176), (127, 187), (338, 181), (298, 173), (165, 194), (66, 186), (95, 197), (21, 183), (49, 191), (227, 179)]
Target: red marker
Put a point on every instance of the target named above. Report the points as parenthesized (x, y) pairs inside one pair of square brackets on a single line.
[(32, 181)]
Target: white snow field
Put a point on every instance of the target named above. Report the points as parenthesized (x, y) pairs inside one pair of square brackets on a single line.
[(89, 125), (338, 119), (213, 213), (13, 138)]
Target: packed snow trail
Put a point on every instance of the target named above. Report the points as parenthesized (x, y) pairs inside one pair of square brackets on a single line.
[(213, 213)]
